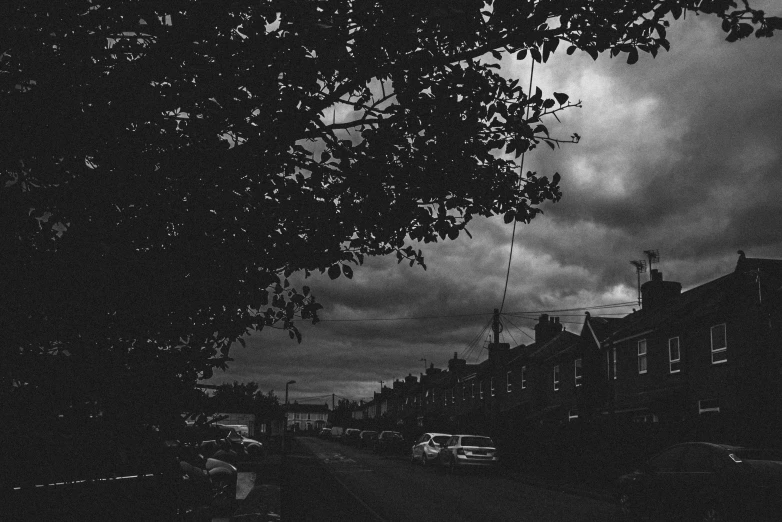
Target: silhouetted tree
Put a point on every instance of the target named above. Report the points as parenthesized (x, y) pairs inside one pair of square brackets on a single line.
[(167, 165)]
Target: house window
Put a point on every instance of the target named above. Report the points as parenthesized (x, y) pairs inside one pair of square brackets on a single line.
[(708, 405), (473, 390), (674, 355), (464, 394), (642, 356), (577, 371), (507, 382), (556, 378), (480, 391), (719, 344), (492, 386), (523, 377), (613, 350)]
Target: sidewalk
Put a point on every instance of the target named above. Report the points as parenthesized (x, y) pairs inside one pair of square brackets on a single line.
[(258, 492)]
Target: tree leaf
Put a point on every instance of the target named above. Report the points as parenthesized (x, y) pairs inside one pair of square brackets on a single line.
[(561, 97), (334, 271)]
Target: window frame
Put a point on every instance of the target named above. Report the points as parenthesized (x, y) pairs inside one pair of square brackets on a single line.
[(508, 383), (556, 377), (671, 360), (480, 390), (523, 377), (493, 390), (643, 360), (613, 349), (724, 349), (712, 405), (577, 372)]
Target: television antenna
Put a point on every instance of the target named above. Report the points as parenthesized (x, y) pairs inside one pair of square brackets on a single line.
[(640, 267), (653, 256)]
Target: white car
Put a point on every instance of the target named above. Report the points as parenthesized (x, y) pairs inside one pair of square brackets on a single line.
[(251, 447), (427, 447), (464, 451)]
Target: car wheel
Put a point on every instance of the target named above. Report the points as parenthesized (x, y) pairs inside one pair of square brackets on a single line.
[(712, 512), (451, 466), (624, 506), (223, 495)]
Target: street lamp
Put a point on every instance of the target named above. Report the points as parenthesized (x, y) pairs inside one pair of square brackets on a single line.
[(285, 431), (286, 391)]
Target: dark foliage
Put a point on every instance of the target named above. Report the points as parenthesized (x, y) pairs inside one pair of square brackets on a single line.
[(167, 165)]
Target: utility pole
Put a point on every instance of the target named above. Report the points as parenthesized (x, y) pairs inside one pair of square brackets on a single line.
[(496, 326), (381, 386)]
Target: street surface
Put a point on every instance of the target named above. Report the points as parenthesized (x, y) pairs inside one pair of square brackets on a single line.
[(323, 480)]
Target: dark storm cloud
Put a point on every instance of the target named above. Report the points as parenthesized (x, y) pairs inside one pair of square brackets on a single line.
[(682, 153)]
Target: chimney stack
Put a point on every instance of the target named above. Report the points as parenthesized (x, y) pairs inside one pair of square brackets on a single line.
[(656, 293)]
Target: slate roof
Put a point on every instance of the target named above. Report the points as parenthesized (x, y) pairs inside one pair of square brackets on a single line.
[(702, 301), (295, 407)]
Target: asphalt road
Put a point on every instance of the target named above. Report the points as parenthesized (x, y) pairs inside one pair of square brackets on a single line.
[(325, 481)]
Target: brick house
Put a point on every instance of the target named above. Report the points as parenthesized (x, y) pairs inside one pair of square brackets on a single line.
[(705, 361)]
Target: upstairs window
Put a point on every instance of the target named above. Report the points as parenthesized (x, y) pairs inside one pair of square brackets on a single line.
[(508, 384), (708, 406), (577, 372), (613, 350), (492, 386), (719, 344), (642, 356), (674, 355), (556, 378), (481, 390), (473, 390), (523, 377)]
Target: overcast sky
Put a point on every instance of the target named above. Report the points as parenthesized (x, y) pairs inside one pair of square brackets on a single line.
[(681, 153)]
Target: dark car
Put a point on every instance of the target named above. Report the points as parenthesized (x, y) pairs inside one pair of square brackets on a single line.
[(390, 443), (366, 439), (97, 474), (704, 481)]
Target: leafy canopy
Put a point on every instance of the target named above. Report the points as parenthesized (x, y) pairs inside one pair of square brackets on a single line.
[(167, 165)]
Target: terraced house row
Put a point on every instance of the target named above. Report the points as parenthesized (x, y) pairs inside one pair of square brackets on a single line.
[(707, 361)]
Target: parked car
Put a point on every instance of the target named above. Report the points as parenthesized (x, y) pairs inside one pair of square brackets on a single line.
[(94, 473), (390, 443), (704, 481), (427, 447), (468, 451), (350, 436), (366, 439), (252, 448), (325, 433)]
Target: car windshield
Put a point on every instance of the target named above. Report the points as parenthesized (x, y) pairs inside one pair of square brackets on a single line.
[(480, 442), (440, 439), (758, 454)]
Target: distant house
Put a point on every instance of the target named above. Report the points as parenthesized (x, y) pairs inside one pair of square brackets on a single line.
[(306, 417)]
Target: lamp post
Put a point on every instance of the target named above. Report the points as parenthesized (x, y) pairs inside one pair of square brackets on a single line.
[(285, 429)]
